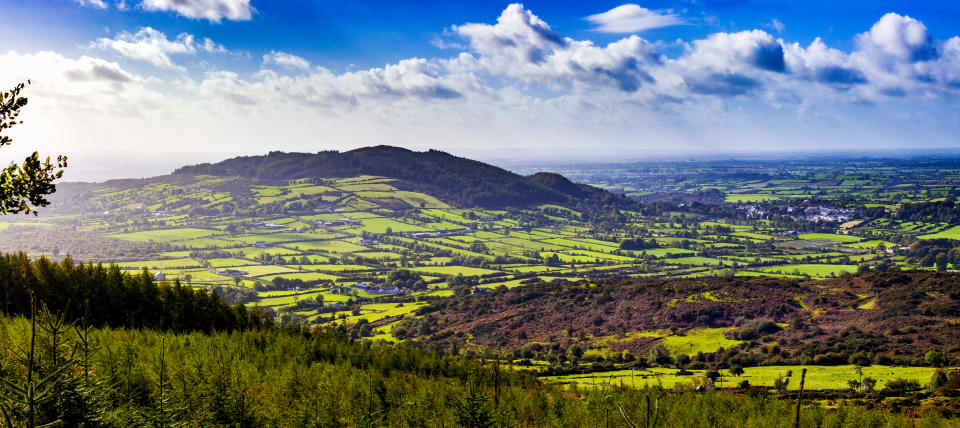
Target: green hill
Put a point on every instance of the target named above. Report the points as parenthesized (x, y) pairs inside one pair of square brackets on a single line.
[(461, 181)]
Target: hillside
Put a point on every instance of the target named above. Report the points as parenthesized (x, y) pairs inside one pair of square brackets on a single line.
[(461, 181), (896, 316)]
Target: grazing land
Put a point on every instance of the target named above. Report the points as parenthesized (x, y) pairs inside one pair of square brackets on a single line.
[(693, 268)]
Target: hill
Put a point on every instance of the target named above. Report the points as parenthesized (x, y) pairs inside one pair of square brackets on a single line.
[(458, 180), (892, 316)]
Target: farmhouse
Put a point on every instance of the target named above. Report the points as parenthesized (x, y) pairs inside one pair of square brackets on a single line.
[(232, 272), (338, 222), (159, 276), (262, 244), (267, 225), (375, 289)]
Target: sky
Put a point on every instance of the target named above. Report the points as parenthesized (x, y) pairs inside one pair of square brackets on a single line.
[(135, 88)]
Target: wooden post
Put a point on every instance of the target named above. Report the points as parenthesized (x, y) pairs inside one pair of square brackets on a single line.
[(796, 420)]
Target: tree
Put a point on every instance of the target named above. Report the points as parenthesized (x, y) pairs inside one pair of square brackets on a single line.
[(24, 187), (941, 262), (934, 357), (659, 355), (575, 352)]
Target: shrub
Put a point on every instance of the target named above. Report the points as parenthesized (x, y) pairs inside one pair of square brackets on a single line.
[(902, 385), (756, 328), (934, 358)]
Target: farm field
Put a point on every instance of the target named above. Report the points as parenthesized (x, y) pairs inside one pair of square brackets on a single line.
[(370, 253), (332, 233), (818, 377)]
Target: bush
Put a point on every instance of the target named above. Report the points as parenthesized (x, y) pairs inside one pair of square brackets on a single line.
[(755, 329), (934, 358), (946, 380), (902, 385)]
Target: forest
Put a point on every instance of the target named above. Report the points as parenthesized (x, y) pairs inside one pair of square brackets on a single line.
[(70, 374)]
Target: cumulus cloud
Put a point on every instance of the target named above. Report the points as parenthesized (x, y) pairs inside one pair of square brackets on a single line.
[(153, 46), (211, 10), (523, 46), (284, 59), (631, 18), (209, 46), (897, 38), (66, 86), (149, 45), (517, 80)]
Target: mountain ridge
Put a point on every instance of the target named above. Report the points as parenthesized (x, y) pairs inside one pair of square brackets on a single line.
[(463, 181)]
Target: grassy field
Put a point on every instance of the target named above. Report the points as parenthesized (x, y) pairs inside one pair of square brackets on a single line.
[(818, 377), (165, 235), (704, 340), (830, 237), (817, 270), (750, 197), (951, 233)]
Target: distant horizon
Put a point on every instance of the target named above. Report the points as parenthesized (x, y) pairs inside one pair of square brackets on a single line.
[(95, 167), (485, 79)]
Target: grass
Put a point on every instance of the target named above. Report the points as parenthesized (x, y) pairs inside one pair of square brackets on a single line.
[(221, 263), (453, 270), (165, 235), (751, 197), (951, 233), (818, 377), (662, 252), (811, 269), (696, 261), (704, 340), (260, 270), (161, 264), (381, 224), (305, 276), (829, 237)]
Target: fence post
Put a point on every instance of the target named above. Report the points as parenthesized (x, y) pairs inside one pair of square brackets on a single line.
[(796, 420)]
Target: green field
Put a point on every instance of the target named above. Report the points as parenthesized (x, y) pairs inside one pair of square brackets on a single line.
[(951, 233), (165, 235), (824, 270), (818, 377), (830, 237)]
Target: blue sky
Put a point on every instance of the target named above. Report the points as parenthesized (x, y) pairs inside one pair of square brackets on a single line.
[(159, 83)]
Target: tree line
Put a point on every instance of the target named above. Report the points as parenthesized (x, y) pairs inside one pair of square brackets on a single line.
[(106, 296)]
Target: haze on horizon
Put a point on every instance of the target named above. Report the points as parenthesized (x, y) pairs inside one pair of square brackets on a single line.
[(139, 87)]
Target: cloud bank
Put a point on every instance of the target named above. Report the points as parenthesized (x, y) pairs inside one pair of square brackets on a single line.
[(515, 84)]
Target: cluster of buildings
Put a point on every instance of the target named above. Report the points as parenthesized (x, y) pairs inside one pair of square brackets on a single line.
[(440, 233), (269, 225), (338, 222), (373, 289), (821, 213)]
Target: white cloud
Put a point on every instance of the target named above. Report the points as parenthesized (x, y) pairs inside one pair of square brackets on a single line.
[(286, 60), (211, 10), (98, 4), (521, 45), (897, 38), (149, 45), (152, 46), (631, 18), (518, 83), (209, 46)]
